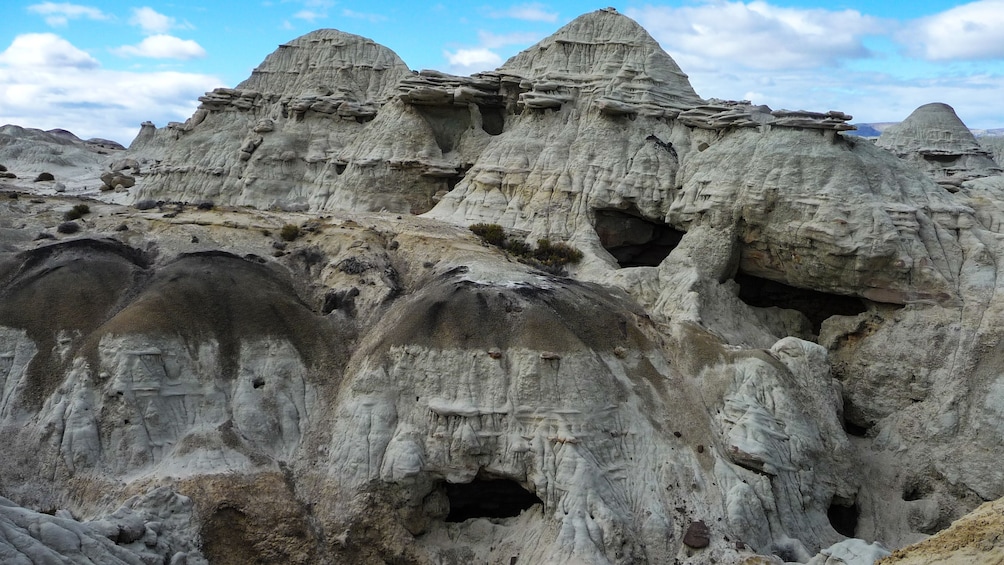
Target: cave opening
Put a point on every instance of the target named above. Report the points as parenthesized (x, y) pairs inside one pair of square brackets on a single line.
[(635, 241), (492, 119), (854, 429), (486, 497), (814, 305), (843, 516)]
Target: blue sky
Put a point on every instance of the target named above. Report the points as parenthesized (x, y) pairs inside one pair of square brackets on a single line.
[(100, 68)]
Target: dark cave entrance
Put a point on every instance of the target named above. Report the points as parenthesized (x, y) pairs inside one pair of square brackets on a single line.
[(854, 429), (488, 498), (816, 306), (492, 119), (633, 240), (843, 516)]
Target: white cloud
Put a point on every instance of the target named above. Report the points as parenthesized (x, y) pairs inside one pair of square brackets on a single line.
[(59, 14), (151, 21), (467, 61), (163, 47), (372, 18), (757, 35), (533, 12), (310, 15), (63, 87), (45, 50), (970, 31)]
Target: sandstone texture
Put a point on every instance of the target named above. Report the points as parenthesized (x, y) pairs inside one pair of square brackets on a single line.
[(781, 344)]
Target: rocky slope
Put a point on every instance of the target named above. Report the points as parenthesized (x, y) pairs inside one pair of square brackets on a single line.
[(935, 139), (52, 161), (780, 343)]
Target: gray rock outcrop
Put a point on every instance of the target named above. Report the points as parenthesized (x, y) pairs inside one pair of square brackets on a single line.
[(935, 139), (28, 153), (781, 343)]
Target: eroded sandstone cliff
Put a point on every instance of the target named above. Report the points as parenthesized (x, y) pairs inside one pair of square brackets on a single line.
[(780, 345)]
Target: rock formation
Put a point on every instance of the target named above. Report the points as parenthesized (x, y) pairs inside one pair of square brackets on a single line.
[(975, 539), (995, 145), (780, 344), (26, 153), (935, 139)]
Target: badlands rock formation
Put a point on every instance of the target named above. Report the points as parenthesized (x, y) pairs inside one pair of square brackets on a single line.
[(935, 139), (75, 164), (782, 344)]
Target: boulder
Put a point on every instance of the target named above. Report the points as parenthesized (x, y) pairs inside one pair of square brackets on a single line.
[(113, 180)]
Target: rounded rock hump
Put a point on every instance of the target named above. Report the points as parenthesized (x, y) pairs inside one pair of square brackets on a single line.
[(613, 52), (329, 59), (931, 127), (934, 137)]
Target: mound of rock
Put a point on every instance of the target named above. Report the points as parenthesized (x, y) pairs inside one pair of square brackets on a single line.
[(935, 139), (27, 153)]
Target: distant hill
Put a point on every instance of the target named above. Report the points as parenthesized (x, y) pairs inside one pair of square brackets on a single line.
[(871, 130)]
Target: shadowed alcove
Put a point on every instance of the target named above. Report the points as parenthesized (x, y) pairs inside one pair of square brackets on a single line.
[(633, 240), (816, 306), (486, 497)]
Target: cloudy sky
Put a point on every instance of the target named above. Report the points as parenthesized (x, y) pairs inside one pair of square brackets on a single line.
[(101, 68)]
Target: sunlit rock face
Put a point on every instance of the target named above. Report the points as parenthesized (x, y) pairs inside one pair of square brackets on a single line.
[(781, 343)]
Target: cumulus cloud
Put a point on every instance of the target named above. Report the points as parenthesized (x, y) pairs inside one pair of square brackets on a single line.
[(758, 35), (467, 61), (45, 50), (49, 83), (971, 31), (59, 14), (533, 12), (163, 47), (151, 21)]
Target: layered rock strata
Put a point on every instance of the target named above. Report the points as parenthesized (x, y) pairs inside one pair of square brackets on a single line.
[(935, 139), (780, 345)]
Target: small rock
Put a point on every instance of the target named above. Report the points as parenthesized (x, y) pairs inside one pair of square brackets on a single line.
[(698, 535)]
